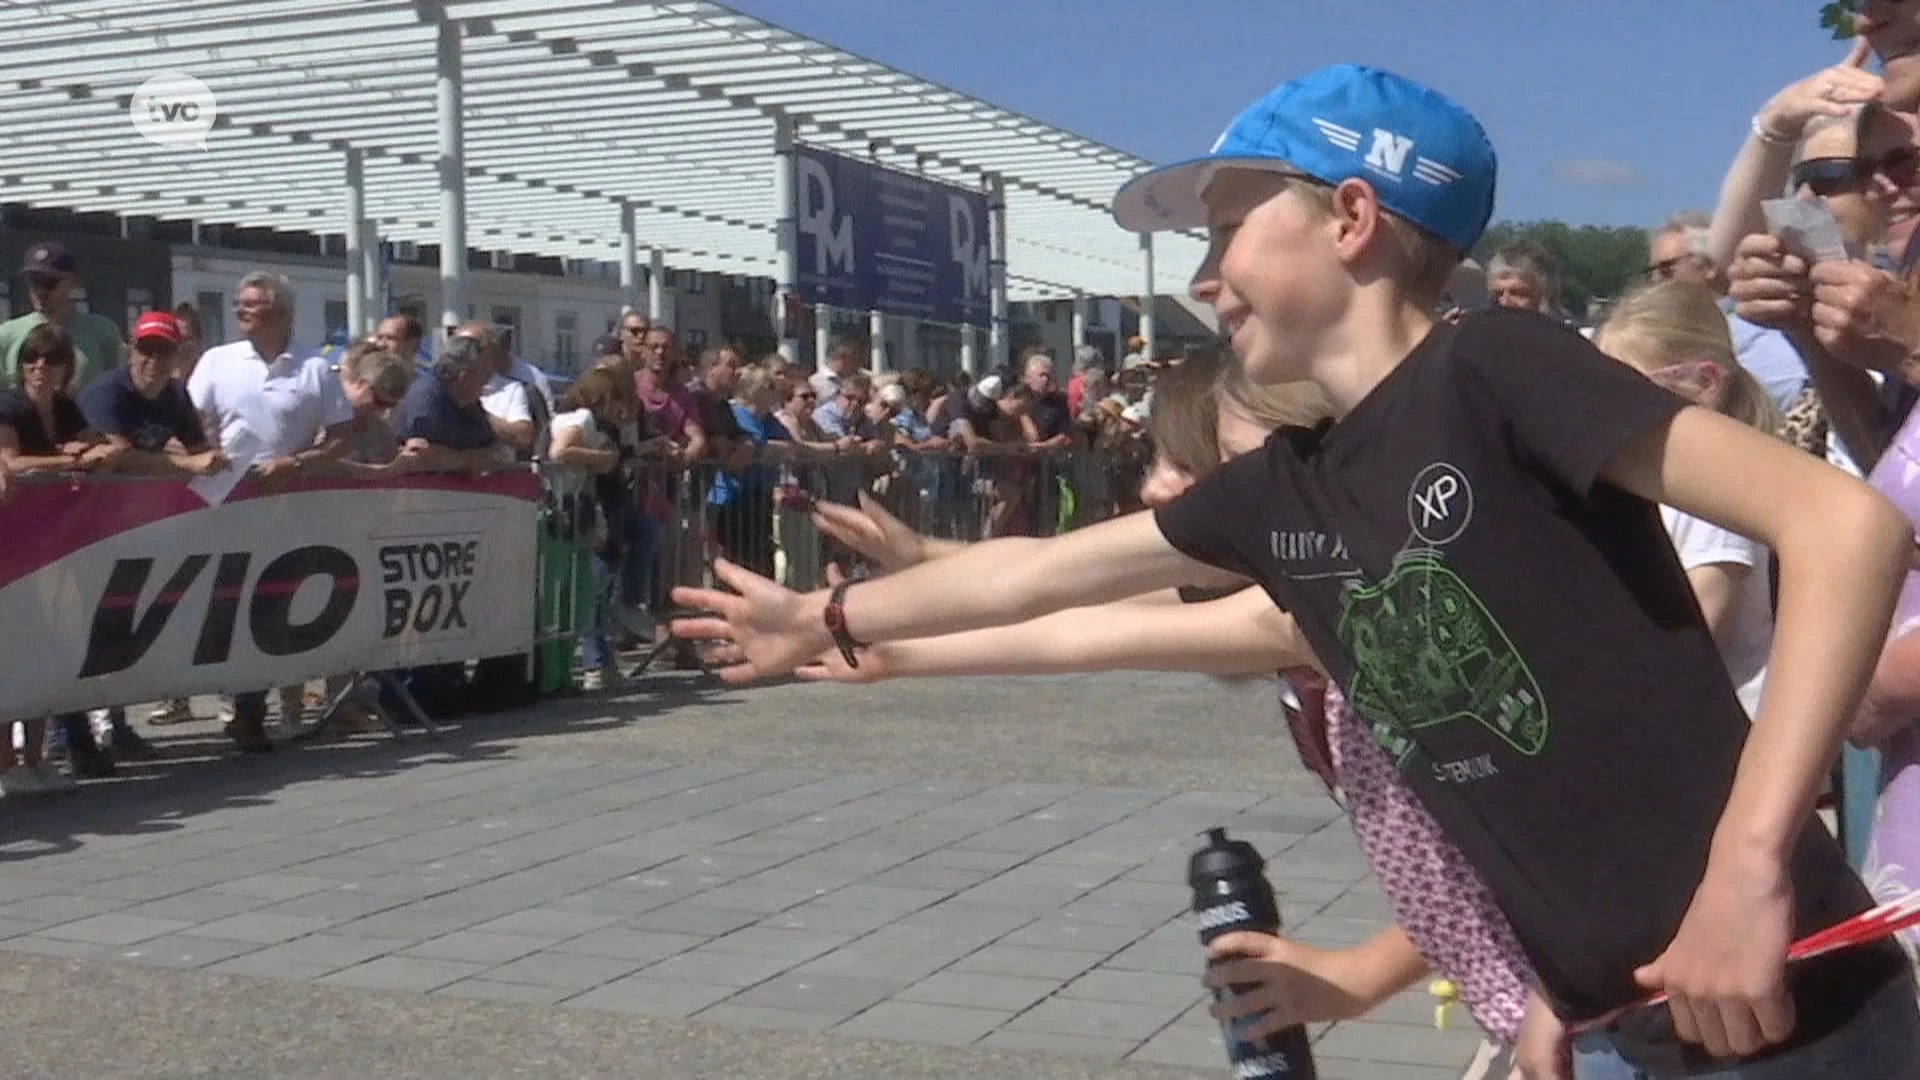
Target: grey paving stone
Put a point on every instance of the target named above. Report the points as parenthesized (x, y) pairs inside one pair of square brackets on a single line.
[(258, 926), (961, 857), (564, 971), (889, 900), (913, 875), (652, 997), (942, 1025), (200, 905), (799, 944), (692, 917), (1342, 1069), (1328, 930), (827, 917), (1056, 964), (1362, 1040), (1059, 932), (758, 899), (61, 907), (619, 942), (1170, 957), (113, 929), (477, 946), (46, 946), (1185, 1046), (517, 993), (274, 886), (817, 993), (1009, 993), (336, 903), (615, 901), (751, 1016), (1048, 1042), (414, 922), (1137, 987), (550, 923), (15, 927), (1100, 1019), (184, 951), (1141, 917), (403, 973), (723, 968)]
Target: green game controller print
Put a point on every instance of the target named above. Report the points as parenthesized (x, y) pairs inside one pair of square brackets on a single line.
[(1426, 652)]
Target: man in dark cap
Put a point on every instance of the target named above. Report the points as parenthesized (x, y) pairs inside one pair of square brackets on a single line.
[(98, 345)]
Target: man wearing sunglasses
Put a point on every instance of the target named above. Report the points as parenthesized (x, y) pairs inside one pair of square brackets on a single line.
[(52, 278), (1678, 251)]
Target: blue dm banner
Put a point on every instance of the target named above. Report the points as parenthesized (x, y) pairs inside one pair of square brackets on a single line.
[(873, 238)]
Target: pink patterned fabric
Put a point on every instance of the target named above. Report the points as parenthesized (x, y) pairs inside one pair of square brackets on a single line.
[(1440, 902)]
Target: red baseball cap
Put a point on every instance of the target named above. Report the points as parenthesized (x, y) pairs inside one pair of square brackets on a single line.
[(158, 324)]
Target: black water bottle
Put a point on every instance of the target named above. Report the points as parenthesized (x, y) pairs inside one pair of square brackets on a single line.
[(1230, 894)]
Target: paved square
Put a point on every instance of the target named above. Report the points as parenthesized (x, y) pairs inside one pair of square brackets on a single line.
[(742, 861)]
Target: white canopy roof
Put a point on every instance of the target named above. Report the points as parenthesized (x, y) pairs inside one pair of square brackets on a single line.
[(571, 105)]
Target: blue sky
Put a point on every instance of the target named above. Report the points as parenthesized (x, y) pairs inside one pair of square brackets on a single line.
[(1611, 113)]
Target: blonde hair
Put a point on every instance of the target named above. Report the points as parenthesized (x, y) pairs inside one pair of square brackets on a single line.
[(1426, 261), (754, 379), (388, 374), (1275, 405), (1674, 322)]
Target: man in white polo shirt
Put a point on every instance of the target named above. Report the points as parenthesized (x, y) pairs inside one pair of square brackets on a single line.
[(266, 401)]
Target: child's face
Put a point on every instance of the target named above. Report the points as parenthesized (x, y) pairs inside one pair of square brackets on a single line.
[(1273, 273)]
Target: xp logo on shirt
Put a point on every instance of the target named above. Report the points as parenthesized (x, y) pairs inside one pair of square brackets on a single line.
[(1439, 504)]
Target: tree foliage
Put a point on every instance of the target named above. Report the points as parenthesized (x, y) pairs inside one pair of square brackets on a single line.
[(1596, 261), (1837, 18)]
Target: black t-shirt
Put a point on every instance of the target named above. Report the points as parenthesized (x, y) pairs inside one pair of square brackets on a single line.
[(18, 412), (1523, 641), (429, 412), (716, 415), (113, 407), (1052, 415)]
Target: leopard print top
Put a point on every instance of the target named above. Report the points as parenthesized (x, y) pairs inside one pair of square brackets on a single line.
[(1805, 424)]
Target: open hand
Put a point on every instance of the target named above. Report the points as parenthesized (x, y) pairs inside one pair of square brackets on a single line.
[(771, 630), (1835, 91), (870, 530), (1725, 971)]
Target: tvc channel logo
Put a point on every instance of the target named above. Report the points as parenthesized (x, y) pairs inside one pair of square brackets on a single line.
[(173, 110)]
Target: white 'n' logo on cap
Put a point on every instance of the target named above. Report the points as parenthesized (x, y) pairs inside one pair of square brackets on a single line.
[(1389, 152)]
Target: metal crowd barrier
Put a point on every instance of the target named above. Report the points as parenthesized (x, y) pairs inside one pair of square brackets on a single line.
[(760, 516)]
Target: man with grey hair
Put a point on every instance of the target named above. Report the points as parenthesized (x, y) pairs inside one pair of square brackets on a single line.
[(276, 407), (1524, 276), (1681, 250), (1085, 359), (441, 425)]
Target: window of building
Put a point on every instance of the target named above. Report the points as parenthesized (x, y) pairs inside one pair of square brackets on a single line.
[(566, 339), (139, 302), (213, 316), (335, 317)]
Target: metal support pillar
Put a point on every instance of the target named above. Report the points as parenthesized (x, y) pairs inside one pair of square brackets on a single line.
[(876, 341), (450, 107), (822, 335), (1147, 299), (1079, 319), (997, 343), (656, 284), (786, 281), (356, 234), (629, 260)]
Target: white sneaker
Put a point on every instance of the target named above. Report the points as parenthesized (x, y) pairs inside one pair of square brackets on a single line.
[(593, 679), (52, 779), (100, 722), (171, 711), (20, 780)]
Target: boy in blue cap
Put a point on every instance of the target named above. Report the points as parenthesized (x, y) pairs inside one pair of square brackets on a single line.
[(1474, 549)]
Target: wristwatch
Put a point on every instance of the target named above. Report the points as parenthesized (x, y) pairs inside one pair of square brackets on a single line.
[(836, 619)]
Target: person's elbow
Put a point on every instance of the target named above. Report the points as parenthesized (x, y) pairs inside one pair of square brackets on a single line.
[(1875, 539)]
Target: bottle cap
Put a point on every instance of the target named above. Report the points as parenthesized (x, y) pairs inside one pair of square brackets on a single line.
[(1224, 858)]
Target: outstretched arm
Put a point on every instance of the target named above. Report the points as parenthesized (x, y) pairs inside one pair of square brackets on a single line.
[(995, 583), (1242, 634)]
